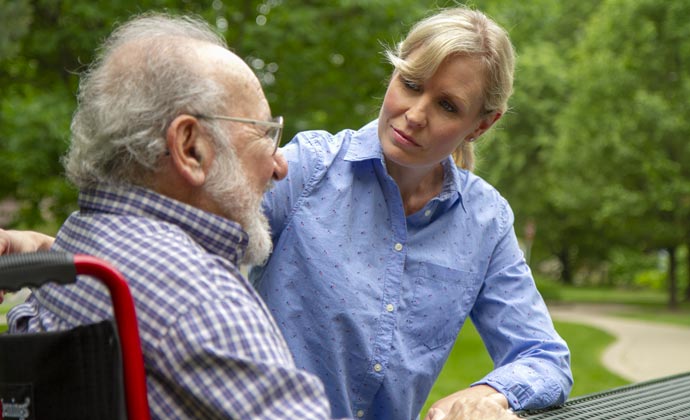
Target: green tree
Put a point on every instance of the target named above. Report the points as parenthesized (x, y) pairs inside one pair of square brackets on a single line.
[(622, 139), (319, 61), (591, 151), (517, 158)]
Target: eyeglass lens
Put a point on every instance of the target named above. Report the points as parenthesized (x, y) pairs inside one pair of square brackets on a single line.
[(276, 133)]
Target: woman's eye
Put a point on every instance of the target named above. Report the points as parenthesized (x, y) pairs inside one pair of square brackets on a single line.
[(448, 106), (411, 85)]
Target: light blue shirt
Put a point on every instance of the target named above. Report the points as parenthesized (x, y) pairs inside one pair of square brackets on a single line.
[(371, 300)]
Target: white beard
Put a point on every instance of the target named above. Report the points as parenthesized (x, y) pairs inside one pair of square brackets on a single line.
[(260, 243), (227, 184)]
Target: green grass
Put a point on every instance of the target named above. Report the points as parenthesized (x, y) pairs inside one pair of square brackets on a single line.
[(679, 317), (469, 362), (602, 294), (3, 310), (647, 305), (586, 347)]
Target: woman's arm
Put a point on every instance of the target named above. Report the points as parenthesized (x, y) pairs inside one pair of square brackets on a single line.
[(18, 241)]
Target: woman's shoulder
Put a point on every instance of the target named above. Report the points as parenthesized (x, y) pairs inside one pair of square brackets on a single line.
[(321, 142), (332, 142), (477, 191), (314, 151)]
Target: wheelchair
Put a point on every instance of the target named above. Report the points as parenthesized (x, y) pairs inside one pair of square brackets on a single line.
[(93, 371)]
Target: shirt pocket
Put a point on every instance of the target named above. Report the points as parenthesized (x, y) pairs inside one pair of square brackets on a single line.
[(442, 299)]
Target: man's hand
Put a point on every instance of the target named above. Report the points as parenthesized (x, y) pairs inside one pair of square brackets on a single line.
[(479, 402), (16, 241)]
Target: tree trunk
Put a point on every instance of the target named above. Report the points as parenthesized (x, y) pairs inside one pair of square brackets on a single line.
[(566, 271), (687, 271), (672, 280)]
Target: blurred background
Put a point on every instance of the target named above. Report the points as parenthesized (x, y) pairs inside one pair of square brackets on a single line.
[(594, 155)]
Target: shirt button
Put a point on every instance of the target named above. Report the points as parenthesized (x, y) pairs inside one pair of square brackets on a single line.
[(398, 246), (377, 367), (390, 307), (360, 413), (427, 213)]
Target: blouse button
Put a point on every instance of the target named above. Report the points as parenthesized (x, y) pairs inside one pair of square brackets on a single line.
[(398, 246)]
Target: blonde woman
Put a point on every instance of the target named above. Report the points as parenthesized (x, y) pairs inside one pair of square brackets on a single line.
[(383, 246)]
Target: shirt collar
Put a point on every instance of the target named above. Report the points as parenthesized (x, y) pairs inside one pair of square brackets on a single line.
[(365, 145), (216, 234), (454, 180)]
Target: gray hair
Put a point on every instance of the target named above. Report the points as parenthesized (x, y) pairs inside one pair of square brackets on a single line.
[(128, 97), (465, 32)]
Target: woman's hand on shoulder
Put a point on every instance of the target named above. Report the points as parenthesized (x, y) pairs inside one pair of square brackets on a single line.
[(20, 241)]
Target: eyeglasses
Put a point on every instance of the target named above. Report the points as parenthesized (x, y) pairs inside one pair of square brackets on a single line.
[(274, 132)]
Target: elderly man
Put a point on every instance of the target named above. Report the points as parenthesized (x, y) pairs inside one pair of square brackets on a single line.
[(172, 148)]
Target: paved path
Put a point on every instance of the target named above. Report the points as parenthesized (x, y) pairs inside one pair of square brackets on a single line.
[(643, 350)]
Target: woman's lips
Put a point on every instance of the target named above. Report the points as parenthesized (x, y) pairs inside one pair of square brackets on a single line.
[(404, 139)]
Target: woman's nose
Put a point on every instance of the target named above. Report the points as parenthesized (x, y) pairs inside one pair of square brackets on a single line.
[(416, 115)]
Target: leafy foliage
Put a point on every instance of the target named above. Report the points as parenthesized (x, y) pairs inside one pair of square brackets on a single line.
[(593, 151)]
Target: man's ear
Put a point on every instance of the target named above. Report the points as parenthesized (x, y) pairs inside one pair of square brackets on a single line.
[(484, 124), (190, 150)]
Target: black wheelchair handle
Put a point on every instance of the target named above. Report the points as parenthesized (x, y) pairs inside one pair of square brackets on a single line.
[(38, 268), (35, 269)]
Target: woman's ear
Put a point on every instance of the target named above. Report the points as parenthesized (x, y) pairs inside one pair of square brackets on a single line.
[(189, 149), (484, 124)]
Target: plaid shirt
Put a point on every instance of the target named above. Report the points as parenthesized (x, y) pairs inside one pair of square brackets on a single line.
[(211, 348)]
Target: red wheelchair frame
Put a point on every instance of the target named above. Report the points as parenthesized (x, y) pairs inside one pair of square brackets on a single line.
[(35, 269)]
